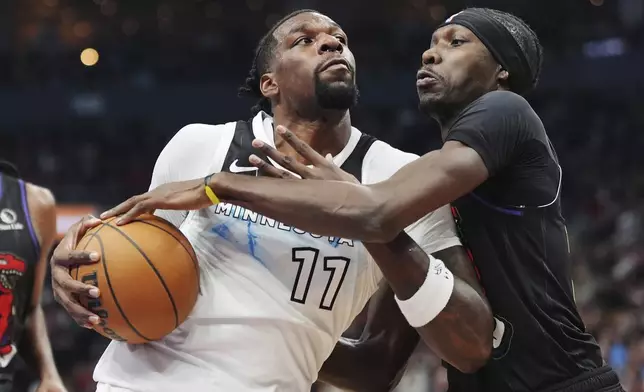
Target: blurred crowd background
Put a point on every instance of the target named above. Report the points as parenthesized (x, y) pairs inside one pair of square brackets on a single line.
[(91, 90)]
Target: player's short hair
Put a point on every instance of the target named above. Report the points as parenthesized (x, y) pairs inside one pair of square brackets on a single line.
[(264, 55)]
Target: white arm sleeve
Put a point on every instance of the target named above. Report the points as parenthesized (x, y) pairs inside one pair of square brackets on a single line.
[(435, 231), (190, 154)]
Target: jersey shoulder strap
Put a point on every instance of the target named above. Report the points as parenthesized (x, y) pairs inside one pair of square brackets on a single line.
[(353, 164), (241, 149)]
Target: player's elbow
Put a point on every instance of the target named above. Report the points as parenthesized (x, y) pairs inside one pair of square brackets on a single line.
[(477, 356), (474, 363)]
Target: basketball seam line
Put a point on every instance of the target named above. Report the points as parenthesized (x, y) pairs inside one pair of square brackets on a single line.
[(109, 285), (194, 261), (154, 269)]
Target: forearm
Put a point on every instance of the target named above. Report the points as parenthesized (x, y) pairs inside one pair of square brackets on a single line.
[(35, 346), (428, 183), (461, 334), (374, 213), (334, 208)]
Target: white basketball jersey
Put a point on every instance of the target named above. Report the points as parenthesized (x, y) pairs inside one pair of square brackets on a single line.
[(274, 299)]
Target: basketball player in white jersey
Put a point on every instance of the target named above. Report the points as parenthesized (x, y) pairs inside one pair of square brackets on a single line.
[(275, 299)]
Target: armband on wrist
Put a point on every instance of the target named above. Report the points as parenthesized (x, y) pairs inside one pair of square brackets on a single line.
[(209, 192), (431, 298)]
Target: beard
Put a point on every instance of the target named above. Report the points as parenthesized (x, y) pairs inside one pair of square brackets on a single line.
[(432, 104), (336, 95)]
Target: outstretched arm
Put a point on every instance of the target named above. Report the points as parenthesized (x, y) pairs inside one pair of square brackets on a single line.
[(375, 213), (486, 138), (371, 213)]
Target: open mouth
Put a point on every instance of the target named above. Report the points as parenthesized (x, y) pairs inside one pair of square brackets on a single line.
[(426, 79)]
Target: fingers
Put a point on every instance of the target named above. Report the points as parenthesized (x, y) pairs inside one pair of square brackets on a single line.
[(129, 209), (74, 257), (65, 253), (82, 316), (269, 169), (66, 290), (138, 209), (301, 147), (283, 160), (63, 280), (121, 208), (87, 223)]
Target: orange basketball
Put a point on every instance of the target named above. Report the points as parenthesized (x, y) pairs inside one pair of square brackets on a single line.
[(148, 277)]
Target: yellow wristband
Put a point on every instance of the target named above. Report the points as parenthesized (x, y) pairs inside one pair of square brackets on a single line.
[(209, 192)]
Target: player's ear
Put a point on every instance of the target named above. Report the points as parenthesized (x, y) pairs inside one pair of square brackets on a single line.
[(502, 77), (268, 85)]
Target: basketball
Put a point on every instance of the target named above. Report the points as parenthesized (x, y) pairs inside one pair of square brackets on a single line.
[(148, 278)]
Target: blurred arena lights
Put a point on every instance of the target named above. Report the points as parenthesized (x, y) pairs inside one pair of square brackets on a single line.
[(89, 57)]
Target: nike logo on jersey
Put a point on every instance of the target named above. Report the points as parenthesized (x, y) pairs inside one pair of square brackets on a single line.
[(241, 169)]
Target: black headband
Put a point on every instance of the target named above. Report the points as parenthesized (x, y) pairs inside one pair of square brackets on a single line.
[(500, 42)]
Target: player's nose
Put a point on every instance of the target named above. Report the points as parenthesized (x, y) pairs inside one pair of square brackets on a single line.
[(329, 43), (431, 56)]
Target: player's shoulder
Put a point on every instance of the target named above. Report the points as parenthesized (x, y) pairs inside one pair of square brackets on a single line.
[(501, 103), (199, 133), (382, 160), (387, 151), (39, 195), (42, 210), (504, 98), (191, 151), (195, 140), (498, 112)]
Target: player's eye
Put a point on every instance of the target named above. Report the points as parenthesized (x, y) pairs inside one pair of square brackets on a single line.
[(303, 40), (457, 42), (342, 39)]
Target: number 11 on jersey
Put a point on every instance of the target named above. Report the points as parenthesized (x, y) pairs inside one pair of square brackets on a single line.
[(335, 266)]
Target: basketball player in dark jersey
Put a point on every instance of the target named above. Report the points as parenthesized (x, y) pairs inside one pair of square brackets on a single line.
[(27, 232), (304, 73), (502, 175)]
